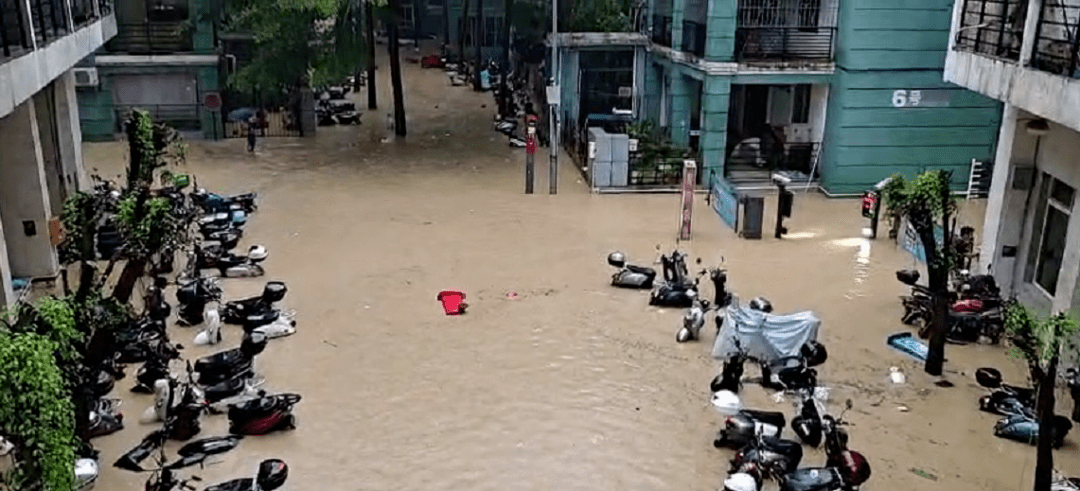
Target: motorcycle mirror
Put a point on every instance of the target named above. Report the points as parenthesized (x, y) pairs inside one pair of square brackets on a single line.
[(196, 478), (848, 404), (179, 346)]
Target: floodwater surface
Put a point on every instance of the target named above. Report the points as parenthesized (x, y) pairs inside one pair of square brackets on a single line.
[(553, 379)]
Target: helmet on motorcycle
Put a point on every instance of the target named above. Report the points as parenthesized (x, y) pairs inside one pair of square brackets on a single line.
[(727, 402), (272, 474), (761, 304), (616, 259), (257, 253), (740, 482), (854, 467)]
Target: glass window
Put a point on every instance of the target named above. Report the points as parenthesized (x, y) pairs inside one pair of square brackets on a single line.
[(1037, 220), (1052, 234), (800, 111)]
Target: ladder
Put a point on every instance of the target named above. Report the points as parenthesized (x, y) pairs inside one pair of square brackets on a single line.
[(979, 179)]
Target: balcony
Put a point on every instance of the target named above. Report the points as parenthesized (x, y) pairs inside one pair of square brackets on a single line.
[(661, 31), (151, 38), (693, 38), (783, 31), (1057, 40), (48, 22), (992, 27)]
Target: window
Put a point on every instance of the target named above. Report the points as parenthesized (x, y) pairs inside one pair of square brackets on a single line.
[(493, 27), (800, 109), (1052, 224)]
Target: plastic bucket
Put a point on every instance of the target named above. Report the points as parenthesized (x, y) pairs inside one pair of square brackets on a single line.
[(453, 302)]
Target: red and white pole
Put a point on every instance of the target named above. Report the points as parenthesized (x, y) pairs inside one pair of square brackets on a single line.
[(530, 153), (689, 182)]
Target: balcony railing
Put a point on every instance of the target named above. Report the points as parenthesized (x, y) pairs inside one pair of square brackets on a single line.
[(992, 27), (693, 38), (1057, 40), (661, 33), (784, 44), (183, 117), (48, 21), (151, 37)]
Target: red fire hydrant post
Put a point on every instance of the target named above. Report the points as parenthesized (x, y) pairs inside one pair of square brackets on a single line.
[(530, 153)]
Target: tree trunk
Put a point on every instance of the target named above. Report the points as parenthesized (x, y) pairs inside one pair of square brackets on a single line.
[(1044, 462), (369, 16), (504, 95), (395, 70), (938, 284), (133, 270), (446, 23), (478, 43)]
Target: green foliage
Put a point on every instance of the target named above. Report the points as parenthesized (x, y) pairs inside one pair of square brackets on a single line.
[(602, 16), (79, 219), (59, 314), (36, 413), (297, 42), (151, 147), (158, 228), (653, 146), (1035, 339), (925, 201)]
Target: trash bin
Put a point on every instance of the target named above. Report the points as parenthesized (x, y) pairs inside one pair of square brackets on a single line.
[(753, 216)]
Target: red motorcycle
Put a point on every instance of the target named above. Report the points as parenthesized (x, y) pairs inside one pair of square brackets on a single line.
[(263, 415)]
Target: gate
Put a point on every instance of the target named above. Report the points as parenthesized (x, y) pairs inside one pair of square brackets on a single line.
[(269, 123)]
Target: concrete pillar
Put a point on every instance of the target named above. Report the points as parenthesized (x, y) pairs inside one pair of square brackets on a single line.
[(680, 109), (995, 202), (50, 152), (7, 295), (69, 132), (1031, 26), (720, 33), (678, 11), (307, 112), (715, 102), (24, 196)]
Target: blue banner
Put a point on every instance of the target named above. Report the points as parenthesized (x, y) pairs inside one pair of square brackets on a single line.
[(911, 242), (725, 201)]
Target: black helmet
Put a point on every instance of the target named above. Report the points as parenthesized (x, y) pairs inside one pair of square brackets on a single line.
[(272, 474), (761, 304)]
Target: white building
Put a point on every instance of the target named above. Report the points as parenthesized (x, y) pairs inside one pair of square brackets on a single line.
[(1026, 53), (40, 141)]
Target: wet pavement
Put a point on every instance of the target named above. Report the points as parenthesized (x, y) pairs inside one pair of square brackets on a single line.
[(553, 379)]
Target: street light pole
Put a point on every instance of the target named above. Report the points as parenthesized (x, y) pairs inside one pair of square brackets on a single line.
[(553, 149)]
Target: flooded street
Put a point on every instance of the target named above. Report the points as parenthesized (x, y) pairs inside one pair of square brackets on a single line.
[(570, 384)]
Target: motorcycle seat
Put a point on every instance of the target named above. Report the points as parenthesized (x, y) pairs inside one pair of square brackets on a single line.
[(224, 389), (774, 418), (812, 479), (641, 270), (245, 484), (792, 449)]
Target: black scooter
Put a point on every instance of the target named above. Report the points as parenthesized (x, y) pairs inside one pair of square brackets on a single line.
[(271, 475), (237, 362), (678, 290), (629, 275)]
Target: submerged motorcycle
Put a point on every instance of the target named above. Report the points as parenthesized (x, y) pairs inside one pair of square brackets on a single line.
[(629, 275)]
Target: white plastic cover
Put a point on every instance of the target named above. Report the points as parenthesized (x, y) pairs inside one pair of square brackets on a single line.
[(764, 336)]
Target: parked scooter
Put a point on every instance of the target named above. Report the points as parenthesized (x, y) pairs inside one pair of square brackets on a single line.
[(973, 313), (748, 424), (767, 457), (730, 377), (1017, 404), (230, 265), (678, 290), (693, 321), (216, 203), (237, 362), (239, 311), (853, 471), (271, 475), (192, 296), (629, 275), (263, 415)]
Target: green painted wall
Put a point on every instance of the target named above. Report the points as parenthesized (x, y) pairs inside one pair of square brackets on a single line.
[(96, 115), (882, 48), (720, 34)]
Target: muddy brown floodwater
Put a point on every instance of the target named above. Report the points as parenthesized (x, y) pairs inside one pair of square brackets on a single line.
[(572, 384)]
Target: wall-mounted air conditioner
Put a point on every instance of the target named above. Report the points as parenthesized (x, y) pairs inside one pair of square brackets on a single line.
[(85, 77)]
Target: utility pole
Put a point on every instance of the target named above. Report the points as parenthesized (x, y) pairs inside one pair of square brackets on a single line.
[(554, 97), (478, 42), (369, 14)]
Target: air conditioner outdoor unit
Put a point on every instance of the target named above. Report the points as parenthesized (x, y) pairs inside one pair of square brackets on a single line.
[(85, 77)]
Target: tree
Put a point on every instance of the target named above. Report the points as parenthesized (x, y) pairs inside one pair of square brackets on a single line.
[(603, 16), (927, 201), (478, 42), (395, 68), (1040, 342), (369, 21), (504, 94)]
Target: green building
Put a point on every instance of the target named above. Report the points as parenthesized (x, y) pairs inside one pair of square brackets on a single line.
[(847, 92), (164, 59)]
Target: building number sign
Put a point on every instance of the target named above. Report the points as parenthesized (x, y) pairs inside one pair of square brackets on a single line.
[(906, 98)]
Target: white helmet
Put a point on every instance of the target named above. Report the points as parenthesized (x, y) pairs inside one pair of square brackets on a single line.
[(740, 482), (727, 402), (257, 253)]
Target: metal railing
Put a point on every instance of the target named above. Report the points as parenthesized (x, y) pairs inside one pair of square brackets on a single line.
[(13, 29), (784, 43), (661, 33), (798, 157), (151, 37), (693, 38), (49, 18), (83, 12), (1057, 39), (182, 117), (992, 27)]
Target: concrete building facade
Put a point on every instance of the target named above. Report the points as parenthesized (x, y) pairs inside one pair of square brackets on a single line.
[(164, 59), (1025, 54), (40, 138), (847, 91)]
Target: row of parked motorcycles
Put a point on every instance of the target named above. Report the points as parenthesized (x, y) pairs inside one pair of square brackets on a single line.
[(223, 382), (976, 309), (762, 454)]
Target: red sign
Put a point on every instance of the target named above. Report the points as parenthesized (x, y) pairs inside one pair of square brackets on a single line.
[(869, 204), (688, 184), (212, 101)]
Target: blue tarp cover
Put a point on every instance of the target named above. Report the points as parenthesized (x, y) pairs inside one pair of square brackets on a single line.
[(764, 336)]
